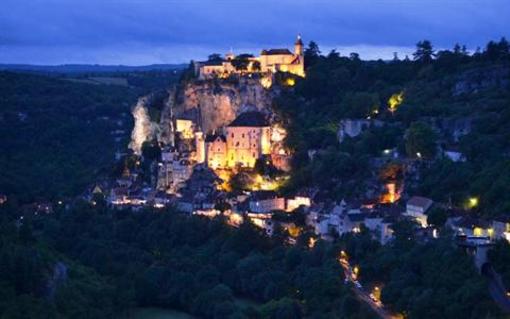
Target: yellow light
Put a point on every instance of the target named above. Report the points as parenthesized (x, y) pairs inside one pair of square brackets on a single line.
[(477, 231), (355, 270), (395, 100), (311, 242), (290, 82), (473, 202)]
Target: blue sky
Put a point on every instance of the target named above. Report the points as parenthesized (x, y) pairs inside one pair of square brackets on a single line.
[(138, 32)]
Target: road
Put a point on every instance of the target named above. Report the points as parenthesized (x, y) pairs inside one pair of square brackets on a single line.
[(497, 290), (363, 295)]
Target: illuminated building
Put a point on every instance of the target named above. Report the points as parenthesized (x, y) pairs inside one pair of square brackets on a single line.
[(245, 140), (269, 61), (417, 207)]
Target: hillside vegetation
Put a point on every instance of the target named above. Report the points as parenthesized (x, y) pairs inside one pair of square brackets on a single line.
[(435, 86), (57, 136)]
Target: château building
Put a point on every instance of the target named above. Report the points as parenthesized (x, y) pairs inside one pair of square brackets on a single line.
[(269, 61), (243, 141)]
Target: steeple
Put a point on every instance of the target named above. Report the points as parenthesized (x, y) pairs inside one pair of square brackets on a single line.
[(298, 46)]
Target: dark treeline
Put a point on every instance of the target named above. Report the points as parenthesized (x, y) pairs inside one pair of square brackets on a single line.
[(58, 136), (164, 259), (431, 280)]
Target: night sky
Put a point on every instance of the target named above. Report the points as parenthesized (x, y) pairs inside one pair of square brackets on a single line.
[(139, 32)]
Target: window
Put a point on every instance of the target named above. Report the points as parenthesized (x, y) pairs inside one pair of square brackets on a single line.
[(232, 135), (242, 135)]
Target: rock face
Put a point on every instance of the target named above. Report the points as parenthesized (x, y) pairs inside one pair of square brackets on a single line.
[(473, 81), (217, 103), (144, 128), (210, 104)]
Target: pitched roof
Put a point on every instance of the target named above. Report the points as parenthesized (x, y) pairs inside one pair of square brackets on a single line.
[(250, 119), (214, 62), (209, 138), (420, 201), (276, 52)]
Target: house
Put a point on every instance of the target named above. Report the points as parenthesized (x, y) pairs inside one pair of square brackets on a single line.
[(380, 227), (297, 201), (270, 61), (185, 128), (501, 226), (417, 208), (471, 227), (265, 201)]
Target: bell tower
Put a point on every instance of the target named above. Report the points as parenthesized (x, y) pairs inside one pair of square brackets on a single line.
[(298, 46)]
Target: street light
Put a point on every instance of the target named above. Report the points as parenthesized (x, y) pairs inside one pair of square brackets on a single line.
[(473, 202)]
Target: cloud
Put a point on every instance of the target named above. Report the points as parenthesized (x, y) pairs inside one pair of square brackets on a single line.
[(169, 31)]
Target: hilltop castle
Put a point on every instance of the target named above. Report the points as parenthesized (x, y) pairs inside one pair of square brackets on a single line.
[(269, 61)]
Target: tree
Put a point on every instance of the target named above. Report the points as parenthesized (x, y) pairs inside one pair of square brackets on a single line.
[(354, 56), (255, 66), (312, 54), (151, 150), (424, 52), (214, 57), (437, 217), (242, 61), (420, 141)]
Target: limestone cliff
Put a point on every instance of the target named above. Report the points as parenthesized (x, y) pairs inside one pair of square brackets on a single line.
[(217, 103), (210, 104)]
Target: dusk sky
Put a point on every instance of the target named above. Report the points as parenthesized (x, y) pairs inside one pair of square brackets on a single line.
[(139, 32)]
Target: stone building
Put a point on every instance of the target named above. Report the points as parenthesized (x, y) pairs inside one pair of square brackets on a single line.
[(246, 139), (269, 61)]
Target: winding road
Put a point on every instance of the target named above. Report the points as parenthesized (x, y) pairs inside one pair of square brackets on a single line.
[(363, 295)]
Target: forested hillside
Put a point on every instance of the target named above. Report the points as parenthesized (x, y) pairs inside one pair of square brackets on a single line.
[(58, 136), (435, 87)]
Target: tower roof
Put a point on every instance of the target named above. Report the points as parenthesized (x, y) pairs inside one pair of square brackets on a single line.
[(276, 52), (298, 40)]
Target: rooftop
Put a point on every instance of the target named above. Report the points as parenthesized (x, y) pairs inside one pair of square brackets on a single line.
[(276, 52), (209, 138), (250, 119), (420, 201)]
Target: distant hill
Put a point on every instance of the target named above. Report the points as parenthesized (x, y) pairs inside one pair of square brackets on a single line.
[(90, 68)]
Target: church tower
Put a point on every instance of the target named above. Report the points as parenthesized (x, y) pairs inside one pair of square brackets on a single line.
[(298, 46)]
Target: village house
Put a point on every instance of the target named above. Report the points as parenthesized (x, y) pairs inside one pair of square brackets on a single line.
[(380, 228), (417, 208), (471, 227), (185, 128), (501, 226), (270, 61), (265, 201)]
